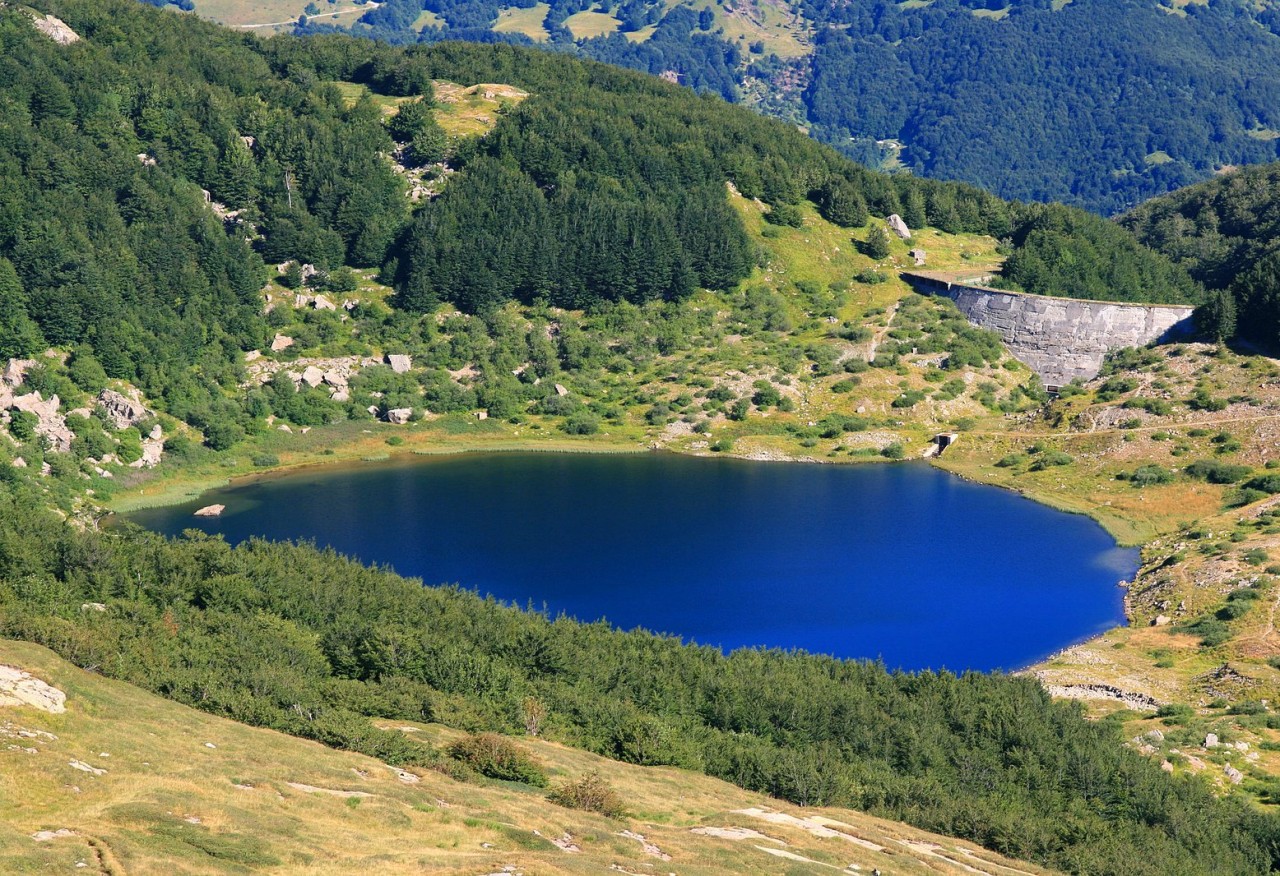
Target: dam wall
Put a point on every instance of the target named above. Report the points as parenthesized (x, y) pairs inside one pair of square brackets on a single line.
[(1061, 339)]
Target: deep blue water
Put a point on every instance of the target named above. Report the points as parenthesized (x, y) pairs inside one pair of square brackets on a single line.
[(902, 562)]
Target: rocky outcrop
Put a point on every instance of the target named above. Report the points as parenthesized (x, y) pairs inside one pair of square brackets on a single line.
[(1061, 339), (50, 424), (121, 410), (20, 688), (15, 371), (55, 29)]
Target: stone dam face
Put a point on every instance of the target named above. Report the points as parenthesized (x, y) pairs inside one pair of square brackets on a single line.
[(1061, 339)]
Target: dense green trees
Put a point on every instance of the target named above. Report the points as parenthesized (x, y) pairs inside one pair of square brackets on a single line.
[(1226, 233), (1060, 251)]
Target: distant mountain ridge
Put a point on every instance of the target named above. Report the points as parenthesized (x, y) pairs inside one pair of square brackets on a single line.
[(1095, 103)]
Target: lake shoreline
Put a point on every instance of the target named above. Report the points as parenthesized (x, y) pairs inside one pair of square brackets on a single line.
[(827, 542)]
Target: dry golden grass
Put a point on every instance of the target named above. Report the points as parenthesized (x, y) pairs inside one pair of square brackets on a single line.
[(184, 792)]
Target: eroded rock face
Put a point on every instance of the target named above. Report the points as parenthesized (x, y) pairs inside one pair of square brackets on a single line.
[(1061, 339)]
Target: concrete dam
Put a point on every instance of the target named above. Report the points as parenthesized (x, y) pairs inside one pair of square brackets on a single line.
[(1061, 339)]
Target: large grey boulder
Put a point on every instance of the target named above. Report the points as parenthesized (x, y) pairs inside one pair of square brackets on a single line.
[(898, 227), (121, 410), (399, 363), (399, 416)]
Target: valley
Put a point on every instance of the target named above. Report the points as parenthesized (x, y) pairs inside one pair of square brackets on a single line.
[(248, 256)]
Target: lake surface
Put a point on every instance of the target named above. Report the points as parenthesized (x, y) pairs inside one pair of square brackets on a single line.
[(902, 562)]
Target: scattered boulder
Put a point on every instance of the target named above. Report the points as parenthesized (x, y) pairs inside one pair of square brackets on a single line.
[(211, 511), (252, 356), (1211, 740), (399, 363), (147, 161), (121, 410), (86, 768), (898, 227), (93, 606), (281, 342), (19, 462), (322, 303), (918, 256), (1233, 775), (152, 450), (399, 416), (312, 376), (44, 836), (482, 415), (560, 390), (20, 688), (1161, 621)]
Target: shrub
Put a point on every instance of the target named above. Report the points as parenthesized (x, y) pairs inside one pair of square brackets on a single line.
[(497, 757), (264, 460), (909, 399), (592, 793), (22, 424), (1116, 387), (1010, 460), (1268, 483), (1147, 475), (893, 451), (785, 214), (582, 423), (1051, 458), (1255, 557), (1216, 472)]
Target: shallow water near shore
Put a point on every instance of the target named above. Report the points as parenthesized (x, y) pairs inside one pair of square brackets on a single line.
[(905, 562)]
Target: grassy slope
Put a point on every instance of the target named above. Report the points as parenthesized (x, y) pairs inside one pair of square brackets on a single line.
[(186, 792)]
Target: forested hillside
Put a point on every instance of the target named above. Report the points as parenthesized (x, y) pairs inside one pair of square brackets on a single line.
[(1097, 103), (161, 170), (1226, 233)]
